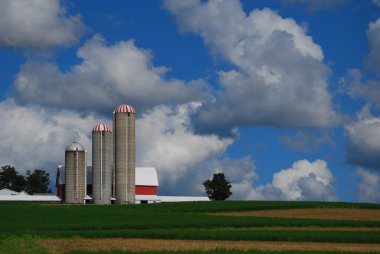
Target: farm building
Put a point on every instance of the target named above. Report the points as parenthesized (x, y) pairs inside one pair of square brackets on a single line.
[(146, 185)]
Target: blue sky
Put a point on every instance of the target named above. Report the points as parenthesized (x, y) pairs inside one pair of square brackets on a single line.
[(281, 96)]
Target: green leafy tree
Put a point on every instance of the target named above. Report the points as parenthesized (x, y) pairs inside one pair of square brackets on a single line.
[(37, 181), (218, 188), (11, 179)]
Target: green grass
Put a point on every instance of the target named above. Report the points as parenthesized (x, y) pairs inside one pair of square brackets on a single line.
[(24, 245), (36, 219), (172, 221), (216, 252)]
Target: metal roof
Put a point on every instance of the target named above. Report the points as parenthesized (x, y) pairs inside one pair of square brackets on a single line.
[(9, 195), (147, 198), (124, 108), (75, 147), (101, 127), (146, 176), (182, 198)]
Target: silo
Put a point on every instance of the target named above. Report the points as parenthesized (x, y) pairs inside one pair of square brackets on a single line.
[(124, 154), (101, 164), (75, 175)]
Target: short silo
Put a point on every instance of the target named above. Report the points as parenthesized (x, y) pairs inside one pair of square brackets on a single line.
[(124, 154), (101, 164), (75, 175)]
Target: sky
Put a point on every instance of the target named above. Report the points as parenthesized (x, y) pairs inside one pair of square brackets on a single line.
[(283, 97)]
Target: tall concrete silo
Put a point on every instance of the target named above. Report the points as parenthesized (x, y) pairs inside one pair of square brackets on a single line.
[(101, 164), (124, 154), (75, 175)]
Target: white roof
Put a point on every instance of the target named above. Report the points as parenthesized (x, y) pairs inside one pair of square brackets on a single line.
[(182, 199), (9, 195), (147, 197), (146, 176), (7, 192), (23, 193)]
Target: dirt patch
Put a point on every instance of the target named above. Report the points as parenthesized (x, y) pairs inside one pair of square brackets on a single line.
[(323, 213), (363, 229), (59, 246)]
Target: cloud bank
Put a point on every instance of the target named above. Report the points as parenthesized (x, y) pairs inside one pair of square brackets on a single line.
[(369, 187), (107, 76), (362, 136), (266, 86), (37, 24)]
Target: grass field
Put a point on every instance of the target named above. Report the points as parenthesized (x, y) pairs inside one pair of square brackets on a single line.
[(237, 226)]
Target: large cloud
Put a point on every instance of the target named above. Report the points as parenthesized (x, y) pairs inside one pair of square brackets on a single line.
[(37, 24), (303, 181), (36, 137), (370, 88), (107, 76), (369, 187), (279, 78), (167, 142), (373, 34), (306, 181), (362, 140)]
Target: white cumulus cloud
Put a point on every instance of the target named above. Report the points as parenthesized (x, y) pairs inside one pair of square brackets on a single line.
[(305, 180), (278, 78), (167, 142), (107, 76), (362, 140), (369, 187), (37, 24), (35, 137)]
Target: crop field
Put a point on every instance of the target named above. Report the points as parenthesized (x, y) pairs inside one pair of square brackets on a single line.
[(195, 227)]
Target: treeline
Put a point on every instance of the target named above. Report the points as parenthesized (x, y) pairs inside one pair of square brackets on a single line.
[(36, 181)]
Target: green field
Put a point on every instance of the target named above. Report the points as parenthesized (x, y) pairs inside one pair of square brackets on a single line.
[(21, 224)]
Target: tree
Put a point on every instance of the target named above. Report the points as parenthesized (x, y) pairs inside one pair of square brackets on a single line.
[(218, 188), (37, 181), (11, 179)]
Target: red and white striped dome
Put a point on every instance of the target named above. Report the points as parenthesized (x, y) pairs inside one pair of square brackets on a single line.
[(101, 127), (125, 109)]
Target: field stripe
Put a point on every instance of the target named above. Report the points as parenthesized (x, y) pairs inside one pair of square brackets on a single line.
[(359, 229), (58, 246), (314, 213)]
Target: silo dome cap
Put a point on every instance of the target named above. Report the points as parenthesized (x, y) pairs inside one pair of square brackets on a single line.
[(125, 108), (75, 147), (101, 127)]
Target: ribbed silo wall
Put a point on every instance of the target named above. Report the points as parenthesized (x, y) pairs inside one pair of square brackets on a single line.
[(102, 167), (131, 164), (75, 177), (124, 157)]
